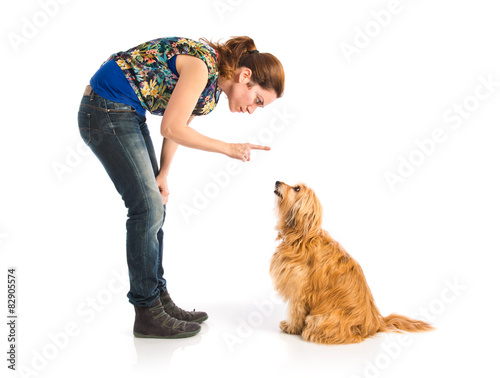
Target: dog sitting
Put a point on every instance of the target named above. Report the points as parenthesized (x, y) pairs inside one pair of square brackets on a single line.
[(329, 301)]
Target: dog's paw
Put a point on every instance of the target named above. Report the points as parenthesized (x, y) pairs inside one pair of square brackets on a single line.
[(287, 328), (284, 326)]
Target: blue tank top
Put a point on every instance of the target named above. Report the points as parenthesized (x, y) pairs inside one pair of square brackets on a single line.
[(110, 83)]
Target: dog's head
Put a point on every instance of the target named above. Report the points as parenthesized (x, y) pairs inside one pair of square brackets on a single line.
[(298, 209)]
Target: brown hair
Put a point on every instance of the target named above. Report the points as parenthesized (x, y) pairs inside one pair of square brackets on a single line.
[(236, 52)]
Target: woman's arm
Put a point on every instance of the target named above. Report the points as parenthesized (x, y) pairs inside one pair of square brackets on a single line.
[(168, 149), (193, 76)]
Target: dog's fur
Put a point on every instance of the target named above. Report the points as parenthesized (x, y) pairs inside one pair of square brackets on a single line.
[(329, 300)]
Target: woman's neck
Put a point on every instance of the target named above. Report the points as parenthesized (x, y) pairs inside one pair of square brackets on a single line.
[(224, 84)]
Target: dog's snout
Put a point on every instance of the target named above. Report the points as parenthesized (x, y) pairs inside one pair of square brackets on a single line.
[(277, 189)]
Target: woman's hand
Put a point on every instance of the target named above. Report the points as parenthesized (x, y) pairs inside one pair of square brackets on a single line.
[(241, 151), (161, 180)]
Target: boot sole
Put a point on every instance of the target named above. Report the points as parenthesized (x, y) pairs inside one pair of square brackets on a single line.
[(177, 336)]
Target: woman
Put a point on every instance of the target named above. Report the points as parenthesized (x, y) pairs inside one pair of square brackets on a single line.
[(177, 78)]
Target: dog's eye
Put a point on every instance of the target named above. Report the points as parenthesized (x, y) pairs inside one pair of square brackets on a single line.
[(297, 188)]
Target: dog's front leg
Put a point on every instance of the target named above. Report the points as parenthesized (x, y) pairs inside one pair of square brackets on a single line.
[(297, 313)]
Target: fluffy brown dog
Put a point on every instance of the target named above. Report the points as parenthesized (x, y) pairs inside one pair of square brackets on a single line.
[(329, 301)]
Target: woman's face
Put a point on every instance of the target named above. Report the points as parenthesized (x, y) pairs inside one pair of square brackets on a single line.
[(245, 99)]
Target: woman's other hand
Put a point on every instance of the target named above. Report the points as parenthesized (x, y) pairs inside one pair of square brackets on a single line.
[(161, 180)]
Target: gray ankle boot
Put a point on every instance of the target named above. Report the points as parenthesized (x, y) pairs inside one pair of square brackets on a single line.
[(154, 322), (178, 313)]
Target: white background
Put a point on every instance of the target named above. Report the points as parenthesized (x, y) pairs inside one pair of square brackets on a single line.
[(349, 120)]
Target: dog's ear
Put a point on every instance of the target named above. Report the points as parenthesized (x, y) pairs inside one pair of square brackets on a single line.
[(291, 221), (306, 215)]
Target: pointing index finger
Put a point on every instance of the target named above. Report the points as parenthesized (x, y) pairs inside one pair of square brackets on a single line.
[(257, 147)]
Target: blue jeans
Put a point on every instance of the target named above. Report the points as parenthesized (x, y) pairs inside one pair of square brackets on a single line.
[(120, 139)]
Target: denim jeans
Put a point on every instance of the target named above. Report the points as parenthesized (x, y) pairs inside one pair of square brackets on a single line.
[(120, 139)]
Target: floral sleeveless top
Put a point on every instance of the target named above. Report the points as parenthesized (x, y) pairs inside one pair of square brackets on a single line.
[(145, 67)]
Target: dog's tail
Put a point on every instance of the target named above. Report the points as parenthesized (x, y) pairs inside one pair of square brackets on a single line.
[(400, 323)]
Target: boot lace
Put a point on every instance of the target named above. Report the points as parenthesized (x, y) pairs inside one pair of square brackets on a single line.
[(168, 321)]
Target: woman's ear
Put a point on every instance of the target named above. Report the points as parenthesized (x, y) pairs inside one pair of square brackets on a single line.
[(245, 75)]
